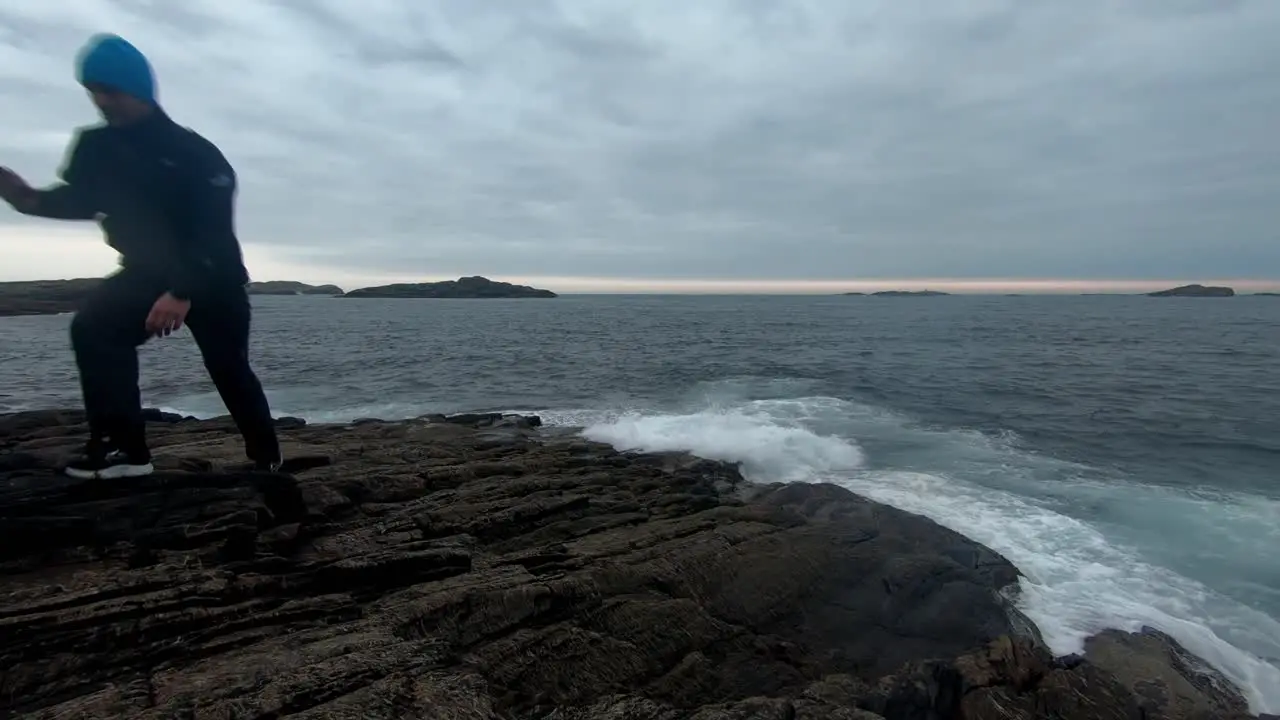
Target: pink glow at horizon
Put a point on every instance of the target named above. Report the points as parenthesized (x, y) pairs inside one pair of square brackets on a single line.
[(62, 252)]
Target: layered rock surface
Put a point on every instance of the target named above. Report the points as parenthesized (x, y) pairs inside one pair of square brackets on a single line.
[(479, 567)]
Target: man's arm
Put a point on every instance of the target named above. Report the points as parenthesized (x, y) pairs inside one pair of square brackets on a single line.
[(58, 202), (67, 200)]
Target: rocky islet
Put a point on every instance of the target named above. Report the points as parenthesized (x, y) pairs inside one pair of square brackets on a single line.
[(472, 287), (1196, 290), (479, 566), (290, 287)]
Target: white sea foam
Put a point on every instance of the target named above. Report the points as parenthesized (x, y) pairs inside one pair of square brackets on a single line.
[(1079, 578)]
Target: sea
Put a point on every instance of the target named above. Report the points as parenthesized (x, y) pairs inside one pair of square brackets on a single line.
[(1123, 452)]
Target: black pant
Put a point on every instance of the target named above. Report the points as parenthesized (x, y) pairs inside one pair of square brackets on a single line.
[(106, 334)]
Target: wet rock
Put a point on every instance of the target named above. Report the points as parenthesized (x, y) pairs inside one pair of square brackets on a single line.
[(479, 567), (1169, 682)]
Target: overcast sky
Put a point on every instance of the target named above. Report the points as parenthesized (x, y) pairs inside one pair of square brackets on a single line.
[(749, 140)]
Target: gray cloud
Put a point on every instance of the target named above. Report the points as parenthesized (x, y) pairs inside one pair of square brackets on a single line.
[(727, 139)]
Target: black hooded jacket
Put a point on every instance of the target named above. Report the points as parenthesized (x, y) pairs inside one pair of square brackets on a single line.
[(165, 198)]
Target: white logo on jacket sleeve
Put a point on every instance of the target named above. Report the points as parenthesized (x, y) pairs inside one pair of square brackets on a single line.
[(101, 218), (220, 180)]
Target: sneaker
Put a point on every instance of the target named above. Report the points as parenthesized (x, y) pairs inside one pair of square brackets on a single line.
[(254, 466), (108, 466), (273, 466)]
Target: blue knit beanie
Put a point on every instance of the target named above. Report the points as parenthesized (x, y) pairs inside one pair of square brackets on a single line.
[(112, 61)]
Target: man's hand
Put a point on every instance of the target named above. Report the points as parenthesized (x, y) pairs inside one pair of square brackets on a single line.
[(167, 315), (15, 190)]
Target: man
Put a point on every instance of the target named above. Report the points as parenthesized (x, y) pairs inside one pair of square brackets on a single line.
[(165, 198)]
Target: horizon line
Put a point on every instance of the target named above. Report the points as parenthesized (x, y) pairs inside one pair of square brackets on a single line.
[(588, 285), (585, 285)]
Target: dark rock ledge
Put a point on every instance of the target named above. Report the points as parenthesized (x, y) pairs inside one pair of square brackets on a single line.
[(475, 567)]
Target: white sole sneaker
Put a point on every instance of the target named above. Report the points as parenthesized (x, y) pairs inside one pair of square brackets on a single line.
[(111, 472)]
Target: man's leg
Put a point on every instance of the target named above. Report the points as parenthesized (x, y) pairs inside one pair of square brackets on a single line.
[(220, 325), (105, 335)]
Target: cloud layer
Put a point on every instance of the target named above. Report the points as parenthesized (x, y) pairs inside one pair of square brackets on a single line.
[(809, 139)]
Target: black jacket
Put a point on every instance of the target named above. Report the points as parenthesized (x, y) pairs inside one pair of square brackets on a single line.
[(165, 198)]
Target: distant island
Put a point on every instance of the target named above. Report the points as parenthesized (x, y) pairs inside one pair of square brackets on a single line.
[(52, 297), (43, 297), (289, 287), (467, 287), (1195, 290), (901, 293)]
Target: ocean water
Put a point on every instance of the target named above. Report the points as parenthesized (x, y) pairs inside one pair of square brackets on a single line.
[(1124, 452)]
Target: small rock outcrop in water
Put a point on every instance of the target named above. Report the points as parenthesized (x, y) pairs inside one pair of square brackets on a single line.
[(1195, 291), (289, 287), (467, 287), (478, 567), (898, 293), (909, 293), (44, 297)]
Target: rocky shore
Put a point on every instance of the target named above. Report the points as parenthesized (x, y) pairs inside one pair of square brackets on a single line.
[(480, 567)]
